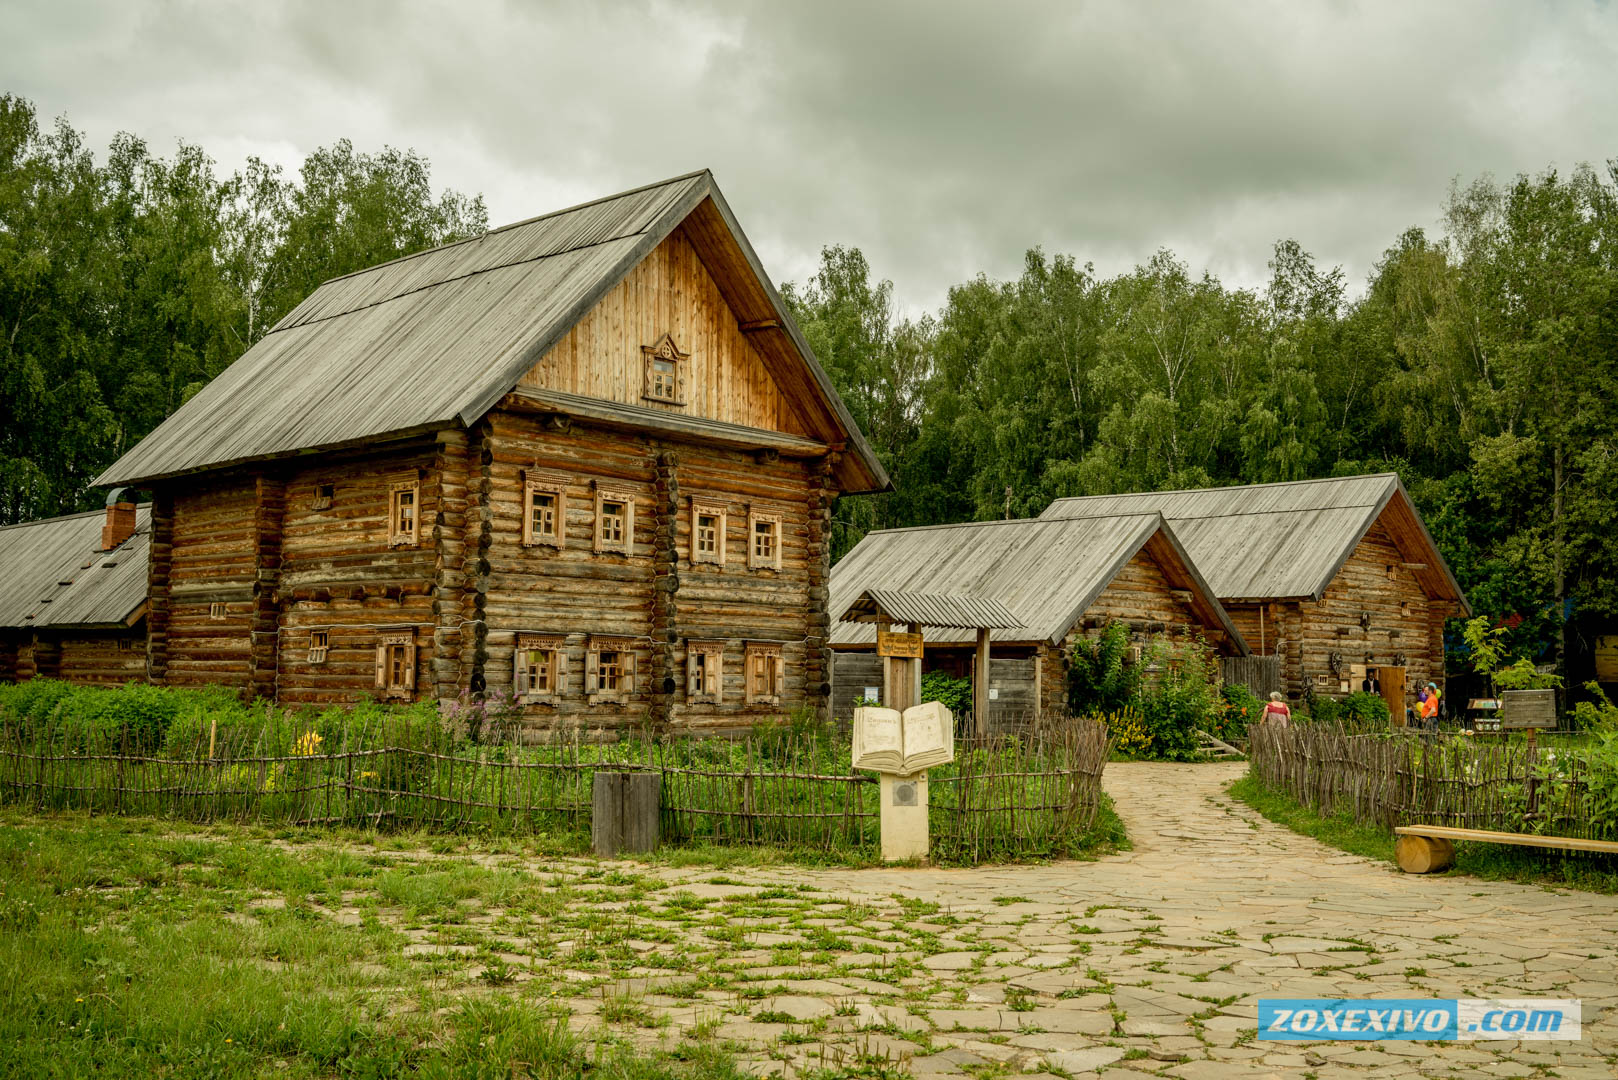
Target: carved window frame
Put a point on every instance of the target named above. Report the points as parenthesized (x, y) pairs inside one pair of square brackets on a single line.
[(625, 544), (764, 515), (701, 508), (555, 665), (319, 646), (667, 352), (765, 673), (623, 649), (539, 484), (396, 665), (705, 672), (398, 534)]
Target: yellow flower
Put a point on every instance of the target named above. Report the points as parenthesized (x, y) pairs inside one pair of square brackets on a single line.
[(308, 744), (78, 999)]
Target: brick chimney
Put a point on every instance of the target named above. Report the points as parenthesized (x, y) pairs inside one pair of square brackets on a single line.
[(120, 524)]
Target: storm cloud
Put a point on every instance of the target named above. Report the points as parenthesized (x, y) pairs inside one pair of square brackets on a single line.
[(942, 138)]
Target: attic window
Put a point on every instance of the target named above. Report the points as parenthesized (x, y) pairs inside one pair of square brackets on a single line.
[(324, 494), (663, 375)]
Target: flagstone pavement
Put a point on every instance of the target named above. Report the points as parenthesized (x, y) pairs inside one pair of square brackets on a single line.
[(1153, 960)]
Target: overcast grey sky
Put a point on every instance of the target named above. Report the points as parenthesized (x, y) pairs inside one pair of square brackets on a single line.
[(942, 138)]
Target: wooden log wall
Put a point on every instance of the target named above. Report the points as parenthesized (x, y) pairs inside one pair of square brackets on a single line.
[(9, 645), (339, 573), (159, 568), (1373, 583), (451, 478), (209, 615), (105, 658), (1140, 596)]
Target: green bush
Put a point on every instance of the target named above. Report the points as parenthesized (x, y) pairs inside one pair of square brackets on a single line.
[(955, 694), (1359, 711), (1236, 708), (1100, 677)]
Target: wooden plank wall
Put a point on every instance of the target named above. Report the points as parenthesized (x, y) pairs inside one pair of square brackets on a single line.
[(671, 291)]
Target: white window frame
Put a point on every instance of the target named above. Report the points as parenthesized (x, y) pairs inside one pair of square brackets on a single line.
[(757, 516), (764, 687), (537, 484), (699, 510), (319, 646), (705, 665), (522, 687), (385, 645), (397, 536), (626, 543), (594, 692)]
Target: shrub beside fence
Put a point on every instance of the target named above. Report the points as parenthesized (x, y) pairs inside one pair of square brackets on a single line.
[(1004, 798), (1400, 779)]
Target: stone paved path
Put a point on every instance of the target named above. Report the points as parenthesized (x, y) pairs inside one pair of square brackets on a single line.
[(1165, 949), (1151, 961)]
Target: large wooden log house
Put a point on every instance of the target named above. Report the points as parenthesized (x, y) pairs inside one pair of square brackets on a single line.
[(1337, 578), (586, 460), (1060, 578), (73, 599)]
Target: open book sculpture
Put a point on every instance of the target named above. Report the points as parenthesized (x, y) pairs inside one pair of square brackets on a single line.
[(889, 741)]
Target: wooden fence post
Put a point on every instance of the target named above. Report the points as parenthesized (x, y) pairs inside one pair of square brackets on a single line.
[(625, 812)]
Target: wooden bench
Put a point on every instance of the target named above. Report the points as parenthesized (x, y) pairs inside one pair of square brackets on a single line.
[(1426, 849)]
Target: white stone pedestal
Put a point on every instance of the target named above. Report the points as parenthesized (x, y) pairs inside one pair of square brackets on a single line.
[(904, 817)]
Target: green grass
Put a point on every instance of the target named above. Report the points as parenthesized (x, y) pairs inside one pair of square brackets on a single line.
[(1493, 862), (125, 951)]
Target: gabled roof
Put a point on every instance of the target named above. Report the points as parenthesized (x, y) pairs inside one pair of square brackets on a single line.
[(436, 339), (55, 576), (1283, 541), (1047, 573), (937, 610)]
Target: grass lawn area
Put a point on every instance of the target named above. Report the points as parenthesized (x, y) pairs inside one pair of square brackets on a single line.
[(147, 947), (1495, 862)]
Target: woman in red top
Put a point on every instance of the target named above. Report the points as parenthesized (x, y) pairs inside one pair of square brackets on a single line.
[(1277, 709)]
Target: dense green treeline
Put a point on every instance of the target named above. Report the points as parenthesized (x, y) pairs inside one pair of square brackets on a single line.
[(1480, 364), (127, 283)]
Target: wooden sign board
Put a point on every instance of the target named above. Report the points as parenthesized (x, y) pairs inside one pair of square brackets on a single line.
[(894, 643), (1606, 657), (1524, 709)]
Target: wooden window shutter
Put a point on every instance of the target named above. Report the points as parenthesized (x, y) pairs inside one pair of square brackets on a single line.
[(592, 670), (693, 663), (629, 526), (410, 667), (519, 671), (715, 664), (381, 666), (627, 658), (561, 671), (780, 678)]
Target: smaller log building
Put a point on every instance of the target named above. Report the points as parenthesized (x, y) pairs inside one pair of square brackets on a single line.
[(1337, 578), (73, 599), (1060, 578)]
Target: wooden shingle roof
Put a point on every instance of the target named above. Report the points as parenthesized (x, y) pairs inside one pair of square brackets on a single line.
[(1046, 573), (1261, 542), (436, 339), (55, 577)]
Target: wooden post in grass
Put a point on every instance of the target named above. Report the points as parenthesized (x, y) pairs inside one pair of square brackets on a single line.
[(980, 686), (624, 813)]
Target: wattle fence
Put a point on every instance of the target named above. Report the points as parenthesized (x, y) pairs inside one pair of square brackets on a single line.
[(1474, 783), (1003, 798)]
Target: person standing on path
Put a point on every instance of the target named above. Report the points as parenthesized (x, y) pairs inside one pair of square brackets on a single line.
[(1277, 710)]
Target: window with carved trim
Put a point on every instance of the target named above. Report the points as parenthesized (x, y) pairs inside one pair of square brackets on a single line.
[(539, 668), (704, 672), (403, 511), (766, 674), (544, 511), (707, 533), (609, 671), (615, 521), (319, 642), (664, 363), (763, 540), (396, 665)]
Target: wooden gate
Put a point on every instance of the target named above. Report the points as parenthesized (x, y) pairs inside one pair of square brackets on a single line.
[(1392, 682), (1260, 674)]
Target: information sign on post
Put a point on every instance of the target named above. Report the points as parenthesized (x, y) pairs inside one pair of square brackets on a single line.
[(896, 644)]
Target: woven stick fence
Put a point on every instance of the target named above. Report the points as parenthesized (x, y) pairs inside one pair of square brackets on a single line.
[(1400, 779), (1002, 798)]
